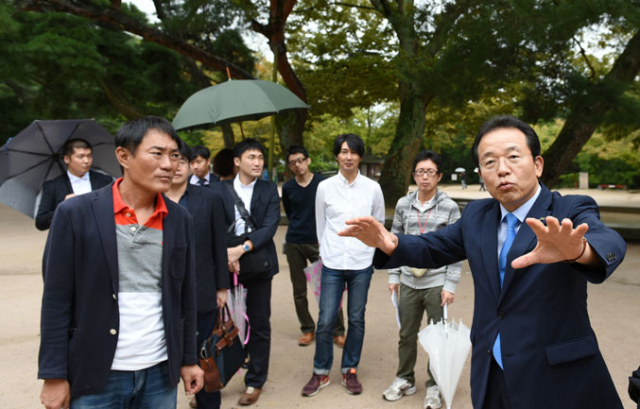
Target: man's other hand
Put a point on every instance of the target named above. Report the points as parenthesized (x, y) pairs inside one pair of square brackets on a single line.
[(55, 394), (193, 378)]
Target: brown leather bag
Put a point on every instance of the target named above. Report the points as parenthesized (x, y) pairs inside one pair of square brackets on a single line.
[(221, 354)]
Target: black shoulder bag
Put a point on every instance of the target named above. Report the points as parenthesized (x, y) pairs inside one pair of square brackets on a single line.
[(255, 263)]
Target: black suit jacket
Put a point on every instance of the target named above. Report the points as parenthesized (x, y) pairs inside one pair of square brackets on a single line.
[(209, 229), (80, 315), (54, 192), (265, 211), (549, 349)]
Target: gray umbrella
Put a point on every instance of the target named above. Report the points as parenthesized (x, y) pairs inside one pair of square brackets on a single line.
[(235, 101), (35, 155)]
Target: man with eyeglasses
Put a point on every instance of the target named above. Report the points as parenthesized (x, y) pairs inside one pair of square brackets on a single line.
[(423, 210), (301, 241), (532, 253)]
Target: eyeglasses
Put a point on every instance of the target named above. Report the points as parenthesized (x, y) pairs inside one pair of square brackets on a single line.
[(296, 161), (429, 172), (513, 159)]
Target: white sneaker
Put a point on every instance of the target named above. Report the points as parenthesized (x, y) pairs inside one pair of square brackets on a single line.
[(398, 389), (432, 401)]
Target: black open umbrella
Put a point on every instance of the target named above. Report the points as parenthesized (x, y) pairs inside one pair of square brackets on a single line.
[(35, 155)]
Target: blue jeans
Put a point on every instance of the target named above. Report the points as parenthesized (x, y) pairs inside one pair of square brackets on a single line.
[(147, 388), (332, 286)]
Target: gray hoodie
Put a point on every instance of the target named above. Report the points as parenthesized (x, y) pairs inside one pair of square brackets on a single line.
[(410, 218)]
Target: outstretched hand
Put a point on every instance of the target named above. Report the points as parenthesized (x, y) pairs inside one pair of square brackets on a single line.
[(371, 232), (556, 242)]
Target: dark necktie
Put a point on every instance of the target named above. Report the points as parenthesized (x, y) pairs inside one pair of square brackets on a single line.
[(512, 222), (201, 182)]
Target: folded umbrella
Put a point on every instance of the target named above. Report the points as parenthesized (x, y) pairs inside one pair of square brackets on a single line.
[(448, 345)]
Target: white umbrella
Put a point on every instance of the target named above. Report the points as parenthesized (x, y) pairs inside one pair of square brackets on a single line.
[(448, 346), (237, 303), (476, 170), (459, 170)]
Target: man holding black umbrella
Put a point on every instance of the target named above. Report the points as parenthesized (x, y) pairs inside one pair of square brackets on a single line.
[(78, 155)]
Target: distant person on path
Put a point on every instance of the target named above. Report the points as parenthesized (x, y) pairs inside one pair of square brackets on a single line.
[(200, 166), (301, 242), (423, 210), (345, 261), (79, 179), (118, 319), (463, 179), (212, 274), (482, 187), (532, 253)]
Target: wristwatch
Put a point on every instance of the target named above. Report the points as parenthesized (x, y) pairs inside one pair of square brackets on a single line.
[(246, 247)]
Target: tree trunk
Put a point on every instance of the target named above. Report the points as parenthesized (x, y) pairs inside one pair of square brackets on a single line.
[(290, 126), (586, 116), (228, 136), (396, 173)]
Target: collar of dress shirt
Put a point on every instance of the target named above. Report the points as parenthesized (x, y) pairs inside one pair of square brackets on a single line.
[(522, 211), (73, 178), (345, 181)]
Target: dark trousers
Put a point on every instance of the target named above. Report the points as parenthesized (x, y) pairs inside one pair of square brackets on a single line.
[(259, 313), (297, 256), (497, 395), (205, 323)]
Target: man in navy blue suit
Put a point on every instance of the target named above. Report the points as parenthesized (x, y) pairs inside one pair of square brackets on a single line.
[(78, 179), (532, 253), (212, 275), (262, 202), (118, 319)]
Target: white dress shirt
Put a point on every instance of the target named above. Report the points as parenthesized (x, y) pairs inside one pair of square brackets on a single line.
[(81, 185), (195, 180), (245, 193), (336, 202), (520, 213)]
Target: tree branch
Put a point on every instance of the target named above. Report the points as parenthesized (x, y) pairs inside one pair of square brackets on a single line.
[(357, 6), (123, 22), (584, 57)]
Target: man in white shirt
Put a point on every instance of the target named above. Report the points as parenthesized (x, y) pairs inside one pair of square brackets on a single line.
[(345, 261), (78, 180)]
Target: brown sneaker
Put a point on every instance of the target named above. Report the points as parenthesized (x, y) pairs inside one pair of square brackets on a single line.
[(249, 396), (306, 339), (316, 383), (350, 381), (339, 341)]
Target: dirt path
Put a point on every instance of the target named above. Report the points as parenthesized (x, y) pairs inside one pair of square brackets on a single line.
[(614, 307)]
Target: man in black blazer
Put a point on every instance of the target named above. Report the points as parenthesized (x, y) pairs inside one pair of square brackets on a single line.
[(201, 166), (262, 201), (118, 320), (78, 155), (532, 253), (212, 274)]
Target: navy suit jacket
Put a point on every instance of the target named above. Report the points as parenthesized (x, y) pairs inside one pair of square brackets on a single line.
[(265, 211), (54, 191), (550, 352), (80, 315), (209, 228)]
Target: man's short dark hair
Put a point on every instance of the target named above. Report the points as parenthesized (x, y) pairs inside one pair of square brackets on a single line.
[(249, 144), (75, 143), (200, 150), (185, 151), (501, 122), (293, 149), (427, 155), (131, 133), (223, 165), (353, 142)]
